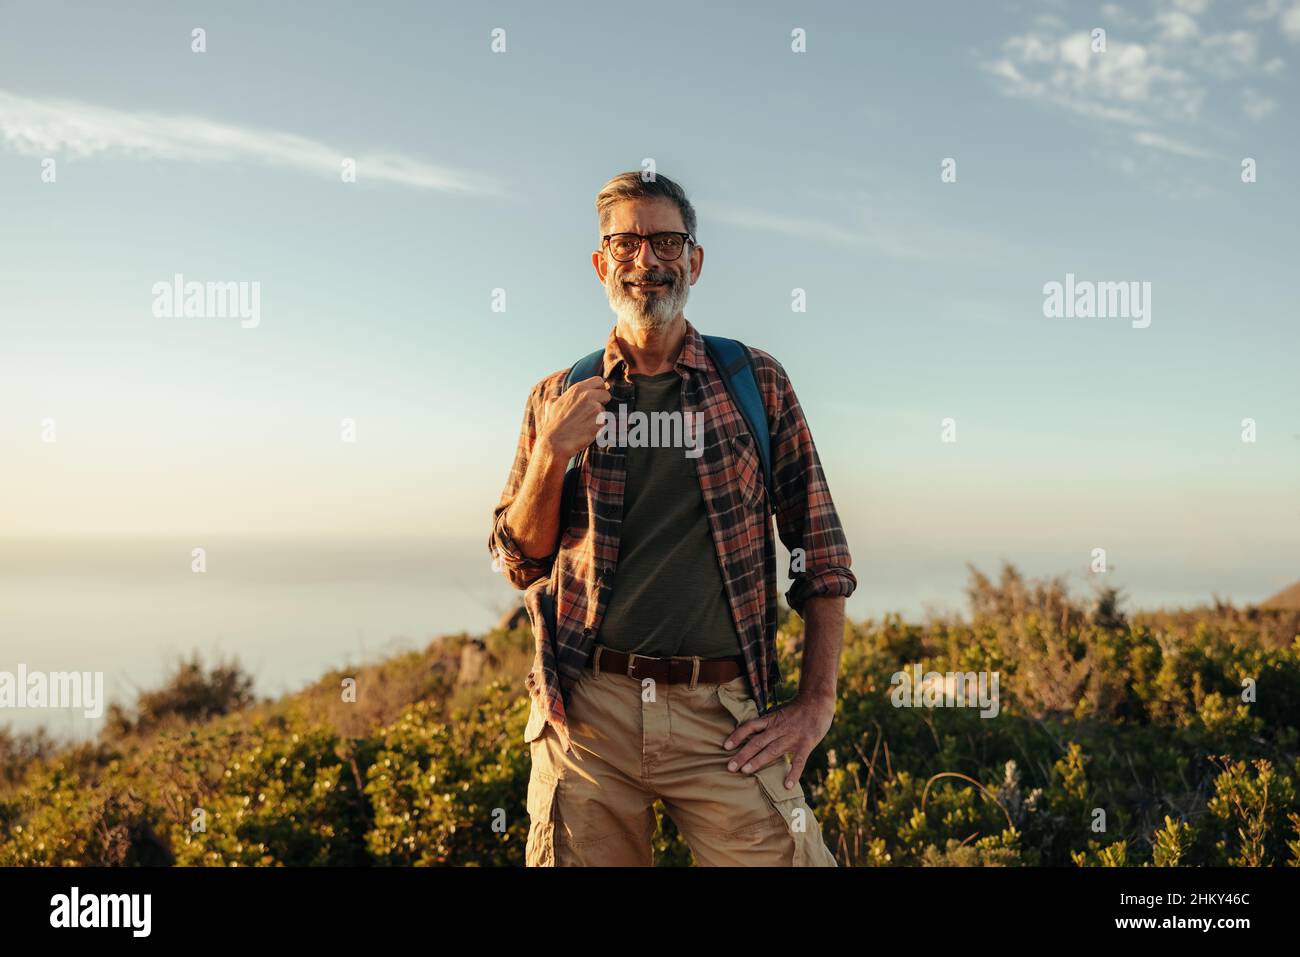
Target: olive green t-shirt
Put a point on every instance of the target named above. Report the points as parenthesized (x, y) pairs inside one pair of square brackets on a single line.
[(668, 597)]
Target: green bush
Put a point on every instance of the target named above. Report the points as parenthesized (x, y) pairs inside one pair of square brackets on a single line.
[(189, 695), (452, 792), (291, 799), (58, 821)]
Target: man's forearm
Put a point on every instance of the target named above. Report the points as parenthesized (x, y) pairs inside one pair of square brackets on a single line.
[(823, 637), (534, 516)]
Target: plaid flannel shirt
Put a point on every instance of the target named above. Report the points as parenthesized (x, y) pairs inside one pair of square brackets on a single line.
[(740, 519)]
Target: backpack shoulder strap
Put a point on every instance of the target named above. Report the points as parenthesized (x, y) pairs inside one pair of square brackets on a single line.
[(736, 365), (585, 368)]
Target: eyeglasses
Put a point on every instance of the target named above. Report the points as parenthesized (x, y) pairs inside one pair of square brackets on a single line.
[(625, 246)]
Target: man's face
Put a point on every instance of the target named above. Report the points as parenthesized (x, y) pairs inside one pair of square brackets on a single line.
[(647, 292)]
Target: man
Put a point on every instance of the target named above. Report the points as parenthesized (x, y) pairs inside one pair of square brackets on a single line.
[(658, 680)]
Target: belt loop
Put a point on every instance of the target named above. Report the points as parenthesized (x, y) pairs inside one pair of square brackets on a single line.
[(695, 670), (595, 660), (631, 660)]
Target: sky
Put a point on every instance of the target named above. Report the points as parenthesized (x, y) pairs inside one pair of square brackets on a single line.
[(813, 140)]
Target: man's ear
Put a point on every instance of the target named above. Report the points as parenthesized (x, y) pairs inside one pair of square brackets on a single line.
[(697, 263), (601, 266)]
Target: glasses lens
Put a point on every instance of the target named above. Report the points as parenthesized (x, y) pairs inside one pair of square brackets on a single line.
[(624, 246), (667, 246)]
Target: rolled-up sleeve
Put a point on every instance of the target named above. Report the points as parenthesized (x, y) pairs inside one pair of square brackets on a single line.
[(521, 570), (806, 518)]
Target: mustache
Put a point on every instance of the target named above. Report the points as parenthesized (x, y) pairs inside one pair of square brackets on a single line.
[(651, 277)]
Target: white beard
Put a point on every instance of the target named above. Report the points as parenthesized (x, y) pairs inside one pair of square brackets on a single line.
[(646, 314)]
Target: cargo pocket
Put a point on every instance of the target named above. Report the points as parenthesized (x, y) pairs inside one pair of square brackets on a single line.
[(536, 718), (540, 850), (809, 848)]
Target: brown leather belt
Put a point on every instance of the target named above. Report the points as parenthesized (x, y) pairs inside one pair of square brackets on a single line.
[(692, 671)]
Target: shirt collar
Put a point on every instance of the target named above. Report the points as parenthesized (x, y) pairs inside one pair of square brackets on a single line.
[(692, 355)]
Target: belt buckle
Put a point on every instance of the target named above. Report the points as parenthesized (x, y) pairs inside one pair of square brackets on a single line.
[(631, 663)]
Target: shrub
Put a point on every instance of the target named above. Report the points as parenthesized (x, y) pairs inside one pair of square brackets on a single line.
[(189, 696), (452, 792), (291, 799), (58, 821)]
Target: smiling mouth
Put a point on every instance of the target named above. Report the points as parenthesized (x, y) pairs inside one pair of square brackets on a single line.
[(647, 285)]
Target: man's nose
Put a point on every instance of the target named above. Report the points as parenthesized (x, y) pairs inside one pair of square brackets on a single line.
[(645, 256)]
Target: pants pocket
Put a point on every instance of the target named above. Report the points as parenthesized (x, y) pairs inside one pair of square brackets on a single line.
[(536, 719), (809, 848), (540, 850)]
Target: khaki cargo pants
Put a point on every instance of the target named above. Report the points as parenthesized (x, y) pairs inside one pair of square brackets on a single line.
[(594, 805)]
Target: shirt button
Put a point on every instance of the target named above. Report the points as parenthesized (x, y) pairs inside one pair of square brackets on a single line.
[(586, 632)]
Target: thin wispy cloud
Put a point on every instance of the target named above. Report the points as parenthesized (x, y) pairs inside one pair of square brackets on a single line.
[(1169, 144), (58, 127), (796, 227), (1256, 105), (888, 234)]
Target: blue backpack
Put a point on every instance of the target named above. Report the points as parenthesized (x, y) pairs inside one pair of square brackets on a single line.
[(733, 360)]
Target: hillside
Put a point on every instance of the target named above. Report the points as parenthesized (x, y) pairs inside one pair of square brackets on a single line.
[(1140, 716), (1288, 599)]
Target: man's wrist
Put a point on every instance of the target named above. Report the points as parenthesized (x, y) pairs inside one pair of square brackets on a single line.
[(512, 552), (547, 458), (819, 695)]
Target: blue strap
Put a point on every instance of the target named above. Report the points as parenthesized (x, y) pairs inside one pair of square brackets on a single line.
[(736, 365), (585, 368)]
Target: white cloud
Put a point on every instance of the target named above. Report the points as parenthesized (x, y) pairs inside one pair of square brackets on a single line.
[(1117, 15), (1169, 144), (1265, 11), (1288, 17), (1157, 73), (1126, 83), (53, 127), (1176, 26), (1227, 53), (1152, 166), (1257, 105), (797, 227), (1290, 23), (1005, 69), (893, 234)]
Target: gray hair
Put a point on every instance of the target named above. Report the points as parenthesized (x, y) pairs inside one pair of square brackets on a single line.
[(631, 186)]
